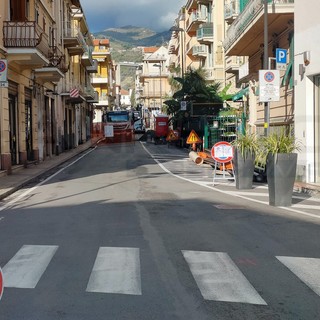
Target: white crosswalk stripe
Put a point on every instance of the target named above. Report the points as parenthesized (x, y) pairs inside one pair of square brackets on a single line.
[(116, 270), (306, 269), (25, 269), (219, 279)]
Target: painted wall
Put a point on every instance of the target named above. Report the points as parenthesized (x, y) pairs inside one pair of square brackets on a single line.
[(307, 38)]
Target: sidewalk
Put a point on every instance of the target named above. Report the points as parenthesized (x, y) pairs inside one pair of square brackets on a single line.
[(21, 176)]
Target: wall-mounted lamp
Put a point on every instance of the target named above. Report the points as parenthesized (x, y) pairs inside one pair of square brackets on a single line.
[(302, 69), (306, 58)]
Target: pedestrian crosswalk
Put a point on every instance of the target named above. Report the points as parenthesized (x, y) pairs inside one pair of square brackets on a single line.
[(116, 270)]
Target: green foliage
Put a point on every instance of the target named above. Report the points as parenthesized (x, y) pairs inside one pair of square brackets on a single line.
[(246, 144), (224, 95), (194, 89), (281, 141)]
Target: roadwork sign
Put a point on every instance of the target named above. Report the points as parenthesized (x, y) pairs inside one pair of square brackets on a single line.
[(193, 138), (172, 135)]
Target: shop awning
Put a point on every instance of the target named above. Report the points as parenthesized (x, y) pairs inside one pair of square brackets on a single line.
[(240, 94), (288, 75)]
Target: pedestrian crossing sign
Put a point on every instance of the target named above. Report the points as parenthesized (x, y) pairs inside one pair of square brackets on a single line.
[(193, 138)]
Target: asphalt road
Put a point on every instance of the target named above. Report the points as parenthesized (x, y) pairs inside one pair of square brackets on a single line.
[(123, 233)]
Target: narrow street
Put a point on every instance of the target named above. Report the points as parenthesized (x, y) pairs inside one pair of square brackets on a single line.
[(138, 231)]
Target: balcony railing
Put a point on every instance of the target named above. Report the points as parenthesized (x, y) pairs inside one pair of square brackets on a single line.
[(57, 59), (25, 34), (205, 33), (200, 50), (231, 10), (244, 19)]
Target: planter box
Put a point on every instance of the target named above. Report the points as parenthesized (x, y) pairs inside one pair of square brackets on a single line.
[(244, 170), (281, 174)]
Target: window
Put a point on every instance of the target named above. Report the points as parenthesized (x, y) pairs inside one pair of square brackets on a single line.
[(18, 10)]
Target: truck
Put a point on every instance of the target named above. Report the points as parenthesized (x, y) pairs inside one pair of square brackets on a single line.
[(118, 126)]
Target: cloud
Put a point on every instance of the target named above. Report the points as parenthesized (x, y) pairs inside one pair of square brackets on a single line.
[(153, 14)]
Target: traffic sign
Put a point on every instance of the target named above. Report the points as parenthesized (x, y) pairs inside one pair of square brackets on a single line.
[(269, 83), (193, 138), (183, 105), (281, 55), (172, 135), (281, 59), (1, 283), (222, 152), (3, 70)]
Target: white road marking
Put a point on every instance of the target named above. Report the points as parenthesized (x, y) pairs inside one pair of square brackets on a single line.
[(306, 269), (209, 186), (25, 269), (116, 270), (219, 279), (22, 195)]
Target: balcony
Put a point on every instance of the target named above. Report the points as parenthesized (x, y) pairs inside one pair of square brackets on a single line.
[(103, 100), (86, 59), (73, 40), (26, 43), (94, 67), (245, 35), (73, 94), (90, 95), (200, 51), (231, 11), (233, 64), (205, 33), (98, 79), (194, 20)]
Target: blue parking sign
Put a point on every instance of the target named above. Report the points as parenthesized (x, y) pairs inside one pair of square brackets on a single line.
[(281, 55)]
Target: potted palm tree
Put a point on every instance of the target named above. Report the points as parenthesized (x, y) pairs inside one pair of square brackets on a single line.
[(245, 148), (281, 165)]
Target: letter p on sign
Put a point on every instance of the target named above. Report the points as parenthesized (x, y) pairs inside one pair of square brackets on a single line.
[(281, 55)]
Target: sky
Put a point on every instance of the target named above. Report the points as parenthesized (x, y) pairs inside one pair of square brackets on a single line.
[(157, 15)]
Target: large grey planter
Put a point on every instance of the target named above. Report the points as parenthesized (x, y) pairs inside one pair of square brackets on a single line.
[(281, 174), (244, 169)]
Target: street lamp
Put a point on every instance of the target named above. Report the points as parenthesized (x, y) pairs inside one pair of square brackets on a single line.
[(158, 65), (178, 29)]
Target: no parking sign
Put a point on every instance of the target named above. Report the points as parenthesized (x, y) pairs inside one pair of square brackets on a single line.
[(269, 85)]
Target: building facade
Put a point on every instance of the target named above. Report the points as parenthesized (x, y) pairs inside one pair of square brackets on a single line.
[(46, 98), (307, 88), (154, 76)]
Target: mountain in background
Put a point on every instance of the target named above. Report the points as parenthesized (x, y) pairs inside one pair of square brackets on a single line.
[(124, 42), (131, 36)]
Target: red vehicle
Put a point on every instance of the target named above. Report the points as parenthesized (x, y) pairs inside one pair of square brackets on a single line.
[(118, 126), (161, 128)]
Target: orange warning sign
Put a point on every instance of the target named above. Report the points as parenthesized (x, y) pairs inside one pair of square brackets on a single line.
[(172, 135), (193, 138)]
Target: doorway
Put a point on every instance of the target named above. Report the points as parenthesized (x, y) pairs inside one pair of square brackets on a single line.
[(13, 129)]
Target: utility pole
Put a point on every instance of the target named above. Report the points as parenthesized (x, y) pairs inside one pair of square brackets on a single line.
[(266, 66)]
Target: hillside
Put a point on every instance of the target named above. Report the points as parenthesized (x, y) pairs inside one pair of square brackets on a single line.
[(130, 37), (125, 43)]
